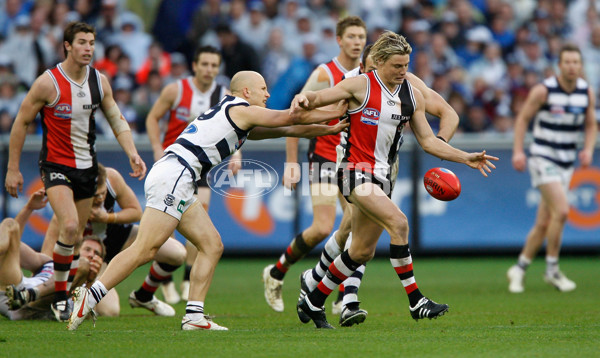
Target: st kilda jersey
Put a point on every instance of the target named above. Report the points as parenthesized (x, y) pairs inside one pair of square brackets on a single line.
[(69, 127), (375, 132)]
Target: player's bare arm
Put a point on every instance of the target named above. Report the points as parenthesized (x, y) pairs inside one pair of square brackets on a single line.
[(42, 92), (591, 130), (437, 106), (298, 131), (535, 100), (162, 105), (121, 130), (440, 149), (351, 89), (131, 211)]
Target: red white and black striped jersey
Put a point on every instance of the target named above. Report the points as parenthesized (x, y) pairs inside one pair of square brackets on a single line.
[(324, 146), (189, 104), (69, 127), (375, 132)]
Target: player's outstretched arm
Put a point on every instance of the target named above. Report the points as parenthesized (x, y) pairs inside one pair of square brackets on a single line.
[(121, 130), (441, 149), (159, 108), (298, 131), (37, 200)]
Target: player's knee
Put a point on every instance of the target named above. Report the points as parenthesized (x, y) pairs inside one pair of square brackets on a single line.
[(398, 225), (11, 227), (362, 255), (322, 231), (109, 310), (179, 255), (561, 215), (70, 229), (214, 246)]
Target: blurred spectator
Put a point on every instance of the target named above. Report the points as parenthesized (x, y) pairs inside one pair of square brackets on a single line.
[(419, 37), (476, 119), (6, 121), (286, 20), (87, 10), (591, 58), (10, 96), (145, 96), (275, 59), (255, 28), (157, 60), (449, 27), (459, 104), (208, 16), (530, 55), (108, 22), (304, 26), (132, 40), (292, 80), (328, 46), (29, 54), (108, 64), (124, 69), (502, 34), (421, 67), (467, 19), (173, 25), (237, 56), (8, 15), (558, 18), (179, 68), (271, 10), (441, 56), (491, 67), (476, 39)]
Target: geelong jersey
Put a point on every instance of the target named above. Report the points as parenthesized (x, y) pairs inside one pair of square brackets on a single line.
[(69, 128), (190, 102), (559, 123), (375, 132), (324, 146), (210, 138)]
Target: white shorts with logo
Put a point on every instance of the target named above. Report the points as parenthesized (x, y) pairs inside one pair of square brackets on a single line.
[(170, 187), (544, 171)]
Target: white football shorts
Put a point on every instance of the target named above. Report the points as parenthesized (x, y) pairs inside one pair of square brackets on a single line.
[(170, 187), (544, 171)]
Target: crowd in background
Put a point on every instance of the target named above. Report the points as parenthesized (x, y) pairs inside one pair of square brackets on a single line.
[(482, 56)]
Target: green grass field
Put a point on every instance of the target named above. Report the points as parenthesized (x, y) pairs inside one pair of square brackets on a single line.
[(484, 319)]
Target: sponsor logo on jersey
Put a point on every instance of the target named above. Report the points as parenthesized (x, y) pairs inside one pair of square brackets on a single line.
[(575, 110), (400, 117), (370, 116), (190, 129), (91, 106), (556, 110), (182, 113), (80, 94), (391, 103), (169, 200), (63, 110)]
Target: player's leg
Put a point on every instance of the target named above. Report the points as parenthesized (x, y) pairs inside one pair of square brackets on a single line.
[(555, 197), (203, 196), (197, 227), (51, 237), (40, 265), (10, 269), (323, 197), (168, 258), (533, 242)]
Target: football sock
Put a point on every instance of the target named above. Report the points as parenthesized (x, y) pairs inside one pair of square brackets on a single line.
[(186, 273), (73, 271), (159, 273), (339, 270), (523, 262), (351, 286), (329, 253), (402, 263), (340, 296), (194, 310), (97, 292), (551, 265), (62, 256), (294, 252)]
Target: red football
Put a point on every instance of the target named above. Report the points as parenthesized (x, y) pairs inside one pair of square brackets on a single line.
[(442, 184)]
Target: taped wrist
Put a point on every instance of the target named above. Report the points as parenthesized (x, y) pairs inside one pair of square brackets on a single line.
[(116, 120)]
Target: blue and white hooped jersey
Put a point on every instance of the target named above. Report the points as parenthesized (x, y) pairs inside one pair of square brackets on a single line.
[(210, 138), (559, 123)]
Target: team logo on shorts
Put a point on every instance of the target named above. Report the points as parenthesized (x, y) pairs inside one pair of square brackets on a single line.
[(169, 200)]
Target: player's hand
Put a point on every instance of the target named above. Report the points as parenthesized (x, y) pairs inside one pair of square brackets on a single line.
[(98, 215), (342, 108), (299, 101), (95, 266), (585, 158), (291, 175), (519, 161), (138, 166), (14, 182), (342, 125), (482, 162), (235, 163), (38, 200)]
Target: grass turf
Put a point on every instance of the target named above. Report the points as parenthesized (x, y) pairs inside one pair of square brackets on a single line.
[(484, 319)]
